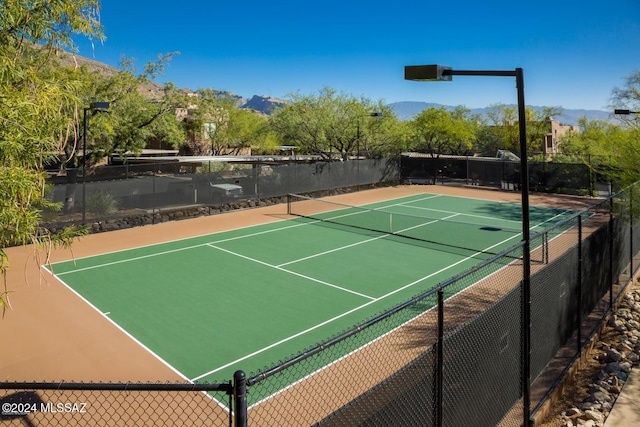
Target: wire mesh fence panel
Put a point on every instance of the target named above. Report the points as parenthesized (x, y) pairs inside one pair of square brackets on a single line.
[(148, 193), (482, 347), (123, 405), (358, 378), (492, 172), (568, 178), (560, 178), (554, 307)]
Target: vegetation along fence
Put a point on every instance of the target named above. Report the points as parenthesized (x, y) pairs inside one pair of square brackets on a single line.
[(454, 355)]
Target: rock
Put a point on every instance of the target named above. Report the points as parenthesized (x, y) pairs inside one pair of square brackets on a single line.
[(624, 347), (594, 416), (613, 355), (600, 396), (574, 412), (612, 367)]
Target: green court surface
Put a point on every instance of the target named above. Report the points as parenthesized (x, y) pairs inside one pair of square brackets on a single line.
[(250, 297)]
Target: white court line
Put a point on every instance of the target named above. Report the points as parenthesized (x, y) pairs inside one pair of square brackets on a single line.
[(463, 214), (364, 241), (291, 272), (262, 350), (244, 236), (105, 315), (174, 250), (151, 352)]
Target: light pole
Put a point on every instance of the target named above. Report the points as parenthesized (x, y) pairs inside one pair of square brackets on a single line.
[(94, 107), (444, 73)]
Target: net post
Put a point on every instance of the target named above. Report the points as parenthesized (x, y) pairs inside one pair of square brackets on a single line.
[(288, 203), (545, 243)]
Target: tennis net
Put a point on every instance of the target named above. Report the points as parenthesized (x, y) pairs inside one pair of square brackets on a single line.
[(443, 234)]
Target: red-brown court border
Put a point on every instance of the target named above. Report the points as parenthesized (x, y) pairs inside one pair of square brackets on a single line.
[(50, 334)]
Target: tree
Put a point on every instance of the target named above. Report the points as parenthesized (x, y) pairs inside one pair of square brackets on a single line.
[(382, 134), (140, 112), (328, 124), (538, 126), (217, 126), (32, 118), (503, 127), (628, 97), (611, 149), (439, 131)]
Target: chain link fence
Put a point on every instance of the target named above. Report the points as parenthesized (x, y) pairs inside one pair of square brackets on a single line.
[(454, 355), (544, 176), (111, 404), (148, 193)]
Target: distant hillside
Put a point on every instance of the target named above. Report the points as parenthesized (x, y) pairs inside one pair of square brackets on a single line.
[(152, 90), (406, 110), (265, 104)]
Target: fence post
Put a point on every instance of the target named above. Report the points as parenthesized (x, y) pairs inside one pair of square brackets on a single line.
[(579, 297), (440, 361), (631, 233), (154, 197), (610, 252), (240, 394)]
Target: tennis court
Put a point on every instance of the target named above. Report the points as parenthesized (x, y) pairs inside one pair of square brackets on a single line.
[(249, 297)]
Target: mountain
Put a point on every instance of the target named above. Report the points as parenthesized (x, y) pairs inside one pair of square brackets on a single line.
[(265, 104), (406, 110)]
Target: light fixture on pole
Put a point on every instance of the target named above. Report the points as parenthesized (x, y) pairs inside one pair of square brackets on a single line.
[(94, 107), (625, 112), (428, 73)]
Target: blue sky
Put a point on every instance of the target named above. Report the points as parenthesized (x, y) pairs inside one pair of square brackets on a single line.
[(573, 52)]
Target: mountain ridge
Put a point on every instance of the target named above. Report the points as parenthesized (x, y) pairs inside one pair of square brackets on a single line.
[(265, 104), (405, 110)]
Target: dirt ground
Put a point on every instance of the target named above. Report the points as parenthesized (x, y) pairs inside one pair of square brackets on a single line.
[(51, 334)]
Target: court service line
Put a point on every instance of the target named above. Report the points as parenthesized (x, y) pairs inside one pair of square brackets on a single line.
[(107, 264), (464, 214), (364, 241), (291, 272), (191, 246), (326, 322)]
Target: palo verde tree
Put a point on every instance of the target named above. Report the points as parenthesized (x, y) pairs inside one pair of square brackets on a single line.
[(217, 126), (611, 149), (439, 131), (625, 150), (32, 119), (140, 112), (329, 124), (628, 97), (500, 128)]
